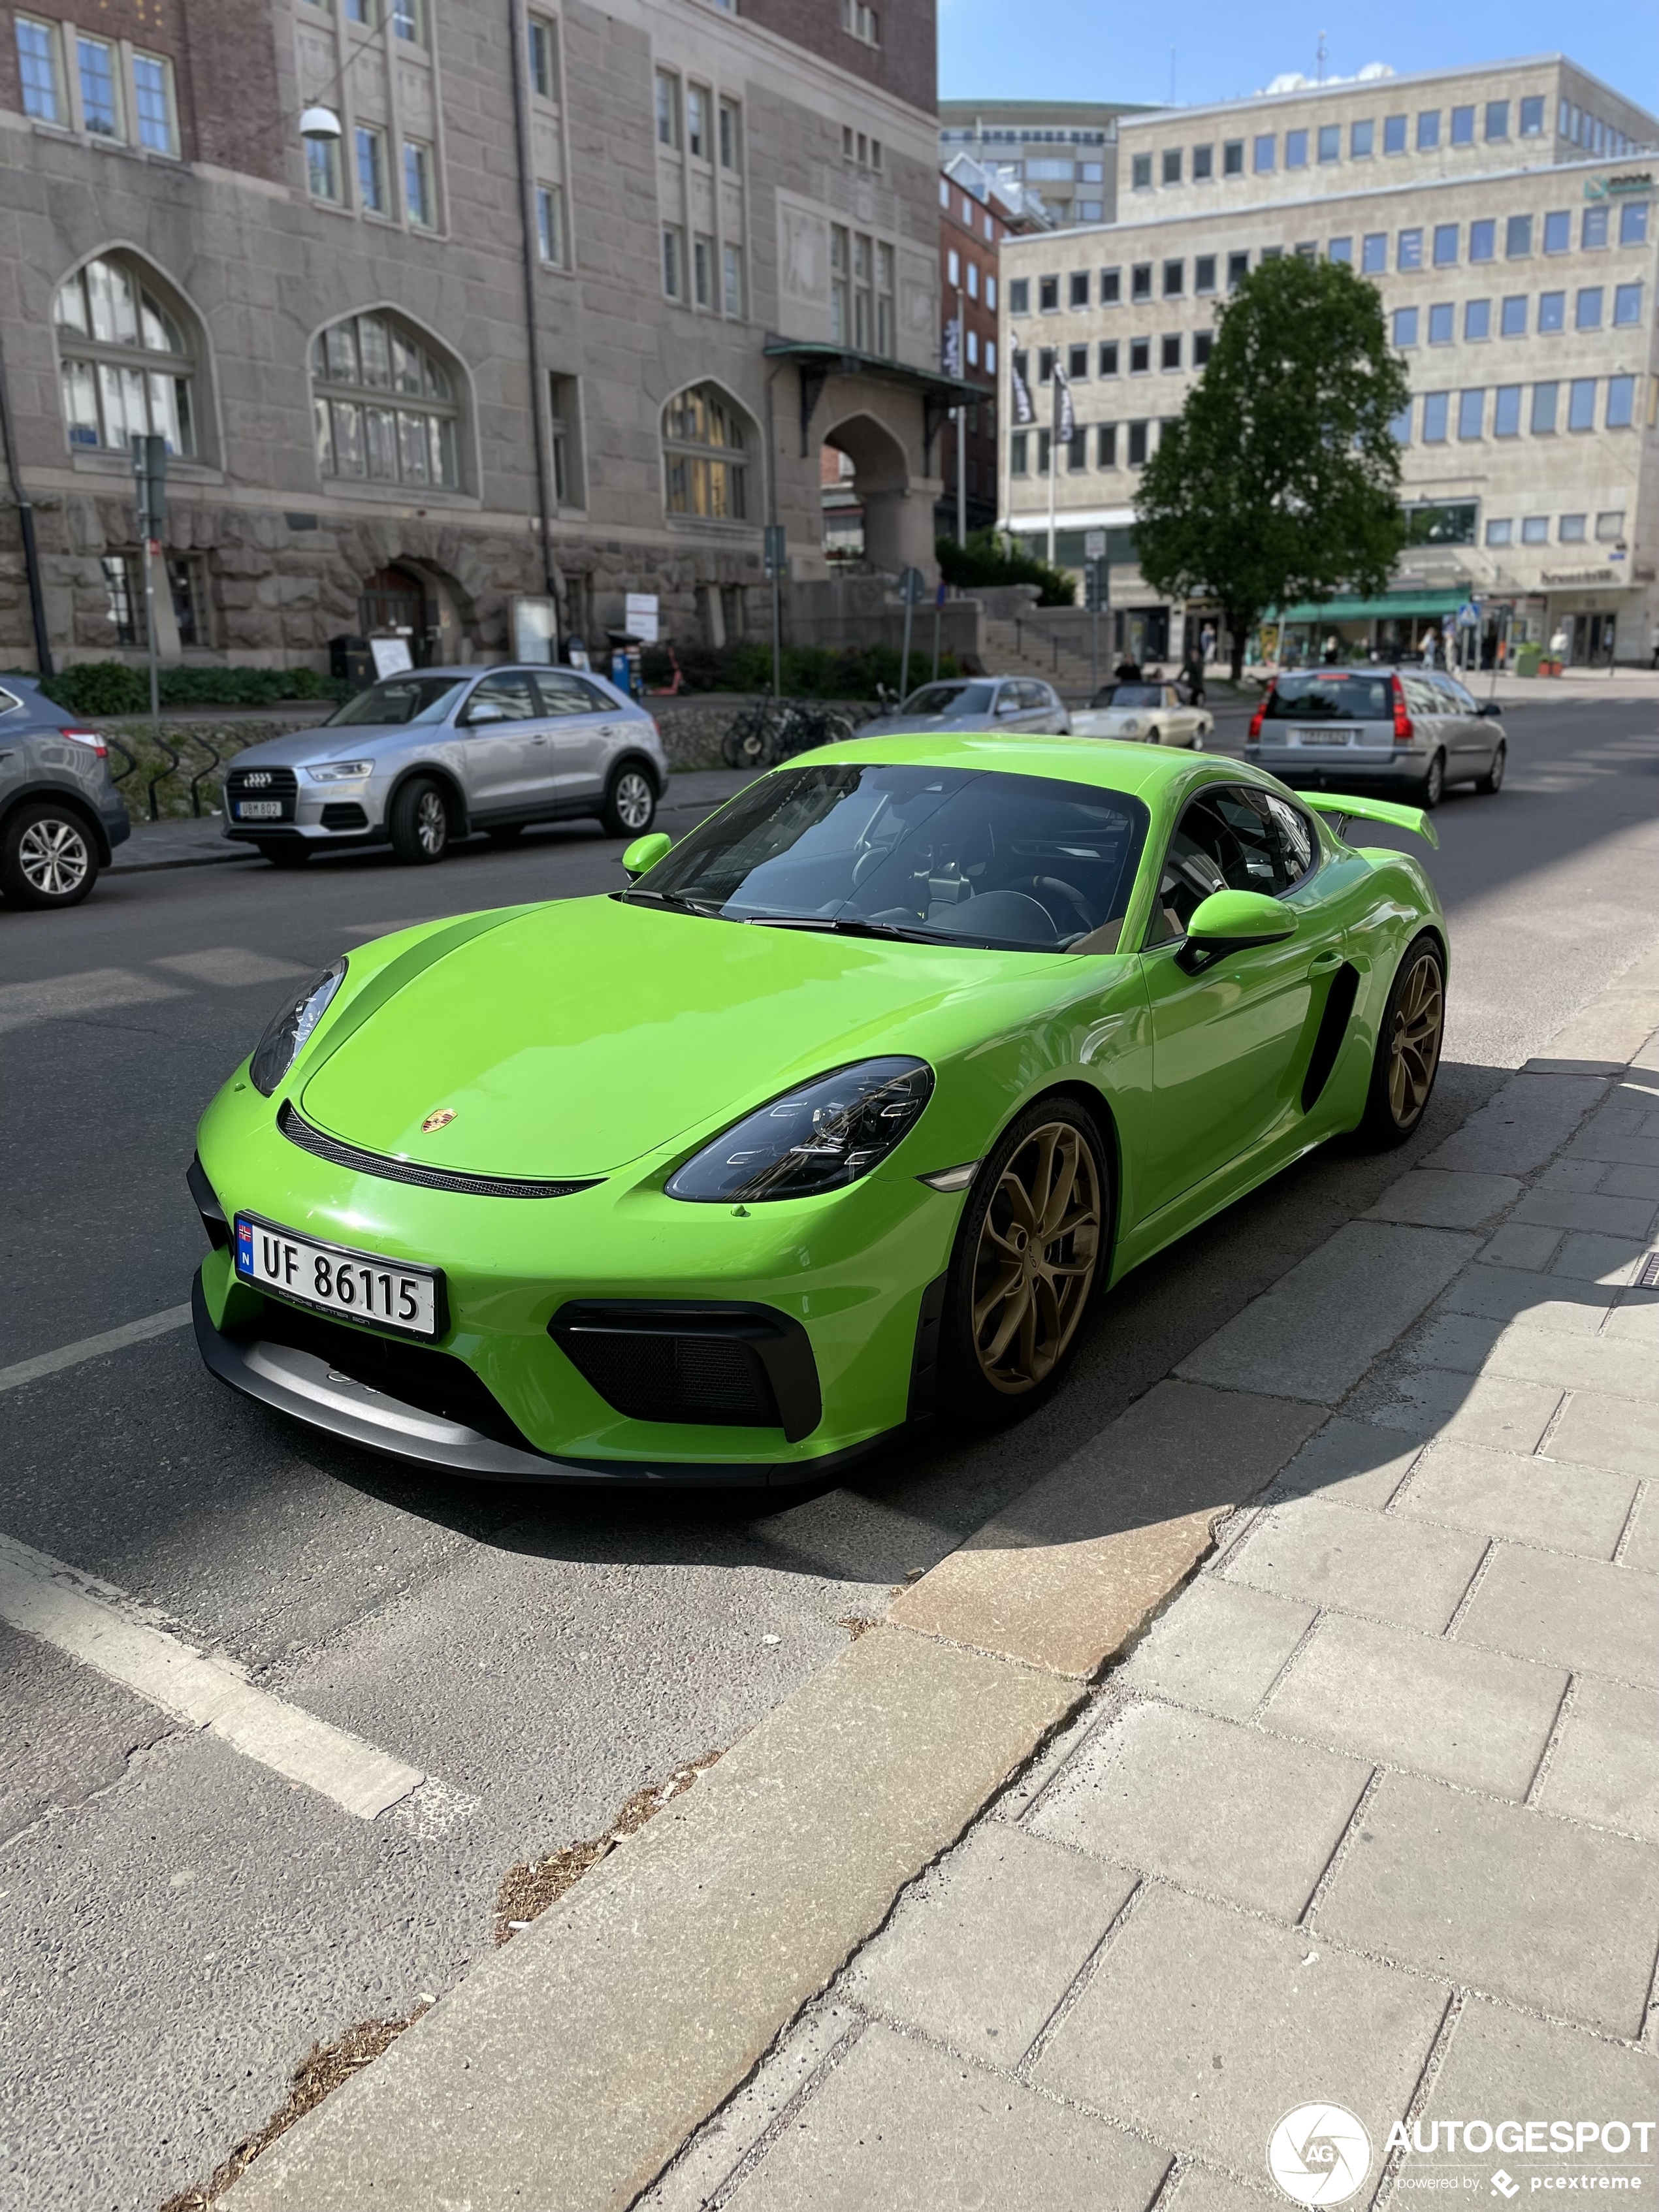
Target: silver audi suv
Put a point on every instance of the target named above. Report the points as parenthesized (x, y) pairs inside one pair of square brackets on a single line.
[(426, 757)]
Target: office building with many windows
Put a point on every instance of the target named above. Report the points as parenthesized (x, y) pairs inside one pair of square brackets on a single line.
[(561, 306), (1509, 218), (1061, 154)]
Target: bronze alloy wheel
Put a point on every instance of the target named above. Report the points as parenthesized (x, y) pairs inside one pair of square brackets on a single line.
[(1039, 1246), (1419, 1014)]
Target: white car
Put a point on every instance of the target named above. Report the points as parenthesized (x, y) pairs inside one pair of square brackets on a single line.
[(1144, 714)]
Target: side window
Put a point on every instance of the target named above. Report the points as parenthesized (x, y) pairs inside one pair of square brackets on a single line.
[(1192, 870), (1258, 859), (511, 696), (1298, 840), (8, 702), (1458, 701), (1421, 695), (568, 695)]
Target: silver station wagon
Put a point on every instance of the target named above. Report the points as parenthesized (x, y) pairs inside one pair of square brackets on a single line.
[(1412, 730)]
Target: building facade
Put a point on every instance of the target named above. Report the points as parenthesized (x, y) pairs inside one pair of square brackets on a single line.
[(1062, 152), (1510, 220), (973, 224), (566, 311)]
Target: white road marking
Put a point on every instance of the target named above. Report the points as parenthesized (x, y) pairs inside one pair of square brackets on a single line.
[(90, 1347), (228, 966), (101, 1625), (61, 997)]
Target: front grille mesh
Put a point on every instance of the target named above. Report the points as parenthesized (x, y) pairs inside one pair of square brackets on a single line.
[(299, 1130), (651, 1376), (280, 783)]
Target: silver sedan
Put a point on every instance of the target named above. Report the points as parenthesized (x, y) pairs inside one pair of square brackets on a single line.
[(1144, 714), (976, 702)]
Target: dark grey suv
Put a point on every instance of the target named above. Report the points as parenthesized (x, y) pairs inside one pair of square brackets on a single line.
[(61, 815)]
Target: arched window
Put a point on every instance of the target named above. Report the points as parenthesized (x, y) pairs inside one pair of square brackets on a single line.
[(126, 364), (385, 407), (704, 445)]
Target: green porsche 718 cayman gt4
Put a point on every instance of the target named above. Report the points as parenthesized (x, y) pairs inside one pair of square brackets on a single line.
[(846, 1109)]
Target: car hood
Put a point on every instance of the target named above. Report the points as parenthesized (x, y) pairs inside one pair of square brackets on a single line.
[(301, 747), (575, 1036)]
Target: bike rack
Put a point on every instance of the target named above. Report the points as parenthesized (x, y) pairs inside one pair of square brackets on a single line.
[(208, 746), (130, 758), (173, 764)]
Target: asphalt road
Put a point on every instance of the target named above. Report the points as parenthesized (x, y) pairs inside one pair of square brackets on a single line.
[(179, 1922)]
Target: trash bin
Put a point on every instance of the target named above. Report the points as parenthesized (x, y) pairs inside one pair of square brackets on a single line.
[(1526, 658), (349, 657)]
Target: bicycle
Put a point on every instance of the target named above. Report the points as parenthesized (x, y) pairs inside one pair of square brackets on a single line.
[(773, 730)]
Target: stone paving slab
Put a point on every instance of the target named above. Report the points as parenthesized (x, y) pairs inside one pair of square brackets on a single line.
[(1606, 1767), (1523, 1124), (1583, 1210), (1608, 1431), (1329, 1555), (1498, 1411), (1592, 1258), (1568, 1612), (1640, 1551), (1522, 1244), (1436, 1199), (1520, 1496), (1201, 2188), (1221, 1647), (1610, 1031), (1478, 1719), (1632, 1181), (1573, 1361), (1462, 1342), (1348, 1462), (1203, 2026), (1502, 1898), (1316, 1331), (899, 2127), (1249, 1817), (985, 1945), (1505, 1294), (1636, 1318)]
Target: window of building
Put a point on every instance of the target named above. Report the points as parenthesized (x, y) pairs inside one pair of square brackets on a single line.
[(1435, 407), (1238, 268), (1532, 116), (1076, 450), (1517, 238), (1408, 250), (1232, 158), (1441, 318), (1506, 411), (1140, 281), (673, 263), (1093, 173), (1610, 525), (1394, 134), (1483, 240), (1019, 453), (1405, 326), (1043, 440), (1047, 294), (100, 109), (1558, 231), (1203, 347), (991, 290), (408, 21), (1445, 245), (1497, 119), (1271, 253), (1626, 305), (860, 21), (322, 169), (702, 271), (1593, 229), (1400, 427), (1471, 415), (384, 406), (1170, 356), (1361, 141), (1621, 402), (705, 456), (696, 122), (731, 131), (1572, 529), (1175, 279), (1535, 529), (566, 451), (549, 225), (1587, 308), (1544, 399), (1077, 363), (123, 593), (973, 283), (1463, 126), (1428, 130), (952, 268), (1106, 446), (668, 109), (1307, 251), (1633, 223), (1266, 146), (1295, 150), (1140, 356), (1019, 295), (1499, 533), (1330, 141), (1203, 164), (1374, 253), (1140, 172), (1138, 444), (418, 203), (41, 69), (1078, 288), (125, 367), (1108, 357), (1341, 249), (1581, 404), (1090, 210), (1477, 319), (153, 103), (1513, 322), (1172, 165), (543, 59), (1552, 311), (1111, 287), (973, 349), (886, 325), (371, 169)]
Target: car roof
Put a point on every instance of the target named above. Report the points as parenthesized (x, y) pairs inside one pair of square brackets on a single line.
[(496, 668), (1144, 772)]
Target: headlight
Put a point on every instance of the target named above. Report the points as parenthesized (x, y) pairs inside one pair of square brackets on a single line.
[(1130, 730), (340, 771), (820, 1136), (285, 1038)]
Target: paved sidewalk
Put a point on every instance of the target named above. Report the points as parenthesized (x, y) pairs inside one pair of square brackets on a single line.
[(1371, 1814)]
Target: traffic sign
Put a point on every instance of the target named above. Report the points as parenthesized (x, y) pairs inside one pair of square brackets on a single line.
[(1468, 615), (776, 550), (1094, 544), (912, 586)]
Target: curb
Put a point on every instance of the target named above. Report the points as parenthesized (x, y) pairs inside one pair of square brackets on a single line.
[(570, 2069)]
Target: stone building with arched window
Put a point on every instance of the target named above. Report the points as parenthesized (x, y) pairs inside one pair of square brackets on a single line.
[(461, 355)]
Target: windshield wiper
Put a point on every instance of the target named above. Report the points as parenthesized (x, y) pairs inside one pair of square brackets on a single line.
[(670, 898), (845, 926)]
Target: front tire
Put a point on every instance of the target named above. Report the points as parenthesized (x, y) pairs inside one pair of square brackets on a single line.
[(420, 823), (1408, 1043), (48, 856), (1493, 779), (630, 802), (1031, 1249)]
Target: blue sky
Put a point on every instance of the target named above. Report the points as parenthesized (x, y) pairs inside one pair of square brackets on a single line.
[(1082, 50)]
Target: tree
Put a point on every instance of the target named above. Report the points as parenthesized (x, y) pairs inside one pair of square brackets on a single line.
[(1279, 479)]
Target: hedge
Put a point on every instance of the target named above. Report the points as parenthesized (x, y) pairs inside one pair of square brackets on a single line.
[(114, 686), (808, 672)]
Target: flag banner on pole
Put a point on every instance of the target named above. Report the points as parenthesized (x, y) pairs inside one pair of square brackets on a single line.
[(1023, 410), (1065, 418), (951, 354)]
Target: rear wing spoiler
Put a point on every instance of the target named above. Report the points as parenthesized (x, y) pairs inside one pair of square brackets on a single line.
[(1371, 810)]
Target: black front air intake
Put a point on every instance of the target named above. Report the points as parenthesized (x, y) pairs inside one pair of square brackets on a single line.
[(683, 1359)]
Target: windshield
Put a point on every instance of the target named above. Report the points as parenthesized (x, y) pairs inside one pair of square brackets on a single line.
[(950, 855), (1329, 697), (1129, 695), (949, 699), (399, 699)]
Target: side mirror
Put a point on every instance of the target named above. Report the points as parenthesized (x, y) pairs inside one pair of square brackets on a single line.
[(1489, 706), (1227, 922), (644, 853), (485, 711)]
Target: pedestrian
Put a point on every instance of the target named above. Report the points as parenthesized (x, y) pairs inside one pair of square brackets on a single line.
[(1192, 671), (1128, 669), (1209, 642), (1561, 645), (1333, 649), (1654, 642), (1426, 648)]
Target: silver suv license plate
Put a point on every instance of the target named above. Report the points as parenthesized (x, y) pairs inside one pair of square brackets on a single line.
[(356, 1286)]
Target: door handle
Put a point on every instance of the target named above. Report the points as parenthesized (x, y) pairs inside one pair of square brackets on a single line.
[(539, 738)]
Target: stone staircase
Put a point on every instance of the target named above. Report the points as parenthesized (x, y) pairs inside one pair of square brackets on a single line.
[(1026, 648)]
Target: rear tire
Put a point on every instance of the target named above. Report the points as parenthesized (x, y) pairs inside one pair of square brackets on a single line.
[(630, 802), (1493, 779), (1408, 1042), (48, 856), (1432, 789), (290, 853), (420, 823)]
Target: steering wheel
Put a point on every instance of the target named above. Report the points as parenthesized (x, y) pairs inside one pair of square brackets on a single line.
[(1043, 888)]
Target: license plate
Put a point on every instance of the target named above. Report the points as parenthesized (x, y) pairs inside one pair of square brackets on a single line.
[(360, 1285), (1321, 737), (259, 810)]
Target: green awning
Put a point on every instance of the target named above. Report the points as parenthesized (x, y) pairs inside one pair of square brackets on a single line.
[(1404, 604)]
